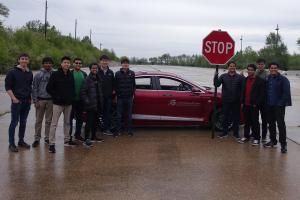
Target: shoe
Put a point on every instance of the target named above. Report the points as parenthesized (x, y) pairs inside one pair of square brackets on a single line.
[(47, 141), (52, 149), (116, 135), (264, 140), (70, 143), (88, 143), (13, 148), (223, 135), (79, 138), (237, 137), (243, 140), (96, 139), (35, 143), (23, 145), (130, 133), (255, 142), (108, 133), (270, 144), (283, 149)]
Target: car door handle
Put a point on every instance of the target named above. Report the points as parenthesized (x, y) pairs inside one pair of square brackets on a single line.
[(167, 95)]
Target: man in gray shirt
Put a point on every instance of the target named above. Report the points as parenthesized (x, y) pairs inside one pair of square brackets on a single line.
[(42, 101)]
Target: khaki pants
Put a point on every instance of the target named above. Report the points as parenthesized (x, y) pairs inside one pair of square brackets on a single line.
[(57, 110), (43, 108)]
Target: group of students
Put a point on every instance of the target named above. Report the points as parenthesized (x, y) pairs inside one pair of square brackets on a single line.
[(71, 92), (262, 91)]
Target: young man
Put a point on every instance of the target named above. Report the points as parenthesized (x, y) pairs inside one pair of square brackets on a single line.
[(18, 82), (61, 88), (92, 97), (107, 77), (125, 88), (253, 96), (262, 73), (77, 105), (42, 101), (231, 98), (278, 97)]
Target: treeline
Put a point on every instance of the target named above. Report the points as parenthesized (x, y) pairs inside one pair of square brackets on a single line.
[(30, 39), (273, 51)]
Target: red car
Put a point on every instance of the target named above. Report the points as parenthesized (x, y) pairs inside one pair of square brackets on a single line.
[(165, 99)]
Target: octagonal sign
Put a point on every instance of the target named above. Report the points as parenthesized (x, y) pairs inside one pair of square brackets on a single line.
[(218, 47)]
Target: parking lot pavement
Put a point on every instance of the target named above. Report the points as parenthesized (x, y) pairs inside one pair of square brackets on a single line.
[(157, 163)]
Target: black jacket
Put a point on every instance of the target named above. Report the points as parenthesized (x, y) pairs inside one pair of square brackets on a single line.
[(61, 87), (19, 82), (125, 83), (91, 93), (231, 87), (107, 82), (258, 92)]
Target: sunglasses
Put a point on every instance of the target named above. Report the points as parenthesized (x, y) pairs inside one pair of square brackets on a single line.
[(78, 63)]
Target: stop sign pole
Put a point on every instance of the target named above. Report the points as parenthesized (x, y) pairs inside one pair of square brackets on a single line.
[(217, 49)]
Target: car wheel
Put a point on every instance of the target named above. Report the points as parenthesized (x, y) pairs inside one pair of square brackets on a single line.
[(219, 121)]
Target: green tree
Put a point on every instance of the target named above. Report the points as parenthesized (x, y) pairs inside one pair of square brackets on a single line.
[(275, 51), (298, 42)]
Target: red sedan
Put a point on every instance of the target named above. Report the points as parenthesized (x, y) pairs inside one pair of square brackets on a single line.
[(164, 99)]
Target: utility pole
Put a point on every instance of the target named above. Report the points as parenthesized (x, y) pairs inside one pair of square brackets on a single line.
[(46, 9), (241, 44), (277, 35), (91, 36), (100, 46), (75, 28)]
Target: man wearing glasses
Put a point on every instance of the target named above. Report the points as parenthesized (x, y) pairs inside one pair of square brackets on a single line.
[(77, 105)]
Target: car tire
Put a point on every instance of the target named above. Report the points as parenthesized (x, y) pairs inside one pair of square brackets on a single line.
[(219, 121)]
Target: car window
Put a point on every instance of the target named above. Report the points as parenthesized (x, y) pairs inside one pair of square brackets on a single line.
[(143, 83), (175, 85)]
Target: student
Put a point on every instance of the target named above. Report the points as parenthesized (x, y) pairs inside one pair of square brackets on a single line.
[(278, 97), (125, 88), (253, 96), (92, 97), (42, 101), (262, 73), (107, 77), (231, 98), (77, 105), (61, 88), (18, 83)]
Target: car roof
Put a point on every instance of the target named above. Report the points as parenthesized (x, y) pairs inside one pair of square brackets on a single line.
[(157, 73)]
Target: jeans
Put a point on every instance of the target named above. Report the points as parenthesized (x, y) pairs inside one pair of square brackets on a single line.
[(77, 110), (231, 113), (251, 115), (121, 104), (107, 109), (276, 115), (19, 113)]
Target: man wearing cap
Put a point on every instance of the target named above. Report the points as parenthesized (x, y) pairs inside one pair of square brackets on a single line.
[(125, 88), (107, 77), (42, 101)]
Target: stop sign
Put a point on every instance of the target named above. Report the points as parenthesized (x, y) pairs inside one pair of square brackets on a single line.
[(218, 47)]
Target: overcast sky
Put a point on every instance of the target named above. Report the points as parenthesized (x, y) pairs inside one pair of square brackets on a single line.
[(146, 28)]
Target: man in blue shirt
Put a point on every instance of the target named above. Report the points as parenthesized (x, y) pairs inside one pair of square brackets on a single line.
[(278, 97)]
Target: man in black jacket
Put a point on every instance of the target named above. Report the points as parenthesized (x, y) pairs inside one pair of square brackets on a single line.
[(18, 82), (125, 88), (107, 78), (231, 96), (61, 88), (252, 97)]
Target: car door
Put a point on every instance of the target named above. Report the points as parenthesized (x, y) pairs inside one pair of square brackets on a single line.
[(145, 110), (178, 103)]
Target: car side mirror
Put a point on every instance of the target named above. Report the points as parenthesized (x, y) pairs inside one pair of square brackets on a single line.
[(195, 90)]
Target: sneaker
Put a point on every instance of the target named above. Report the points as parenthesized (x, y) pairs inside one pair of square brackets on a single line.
[(70, 143), (47, 141), (88, 143), (116, 134), (23, 145), (223, 135), (255, 142), (237, 137), (270, 144), (108, 133), (96, 139), (130, 133), (36, 143), (264, 140), (283, 149), (243, 140), (13, 148), (79, 138), (52, 149)]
